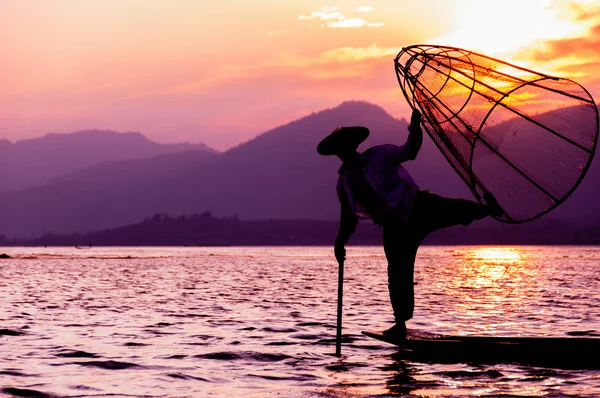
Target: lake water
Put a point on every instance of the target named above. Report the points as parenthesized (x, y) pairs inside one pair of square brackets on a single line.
[(260, 321)]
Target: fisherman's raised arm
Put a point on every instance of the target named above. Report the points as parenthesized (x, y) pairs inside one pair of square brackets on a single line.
[(411, 148)]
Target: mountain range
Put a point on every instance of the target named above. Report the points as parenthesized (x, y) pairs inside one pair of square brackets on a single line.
[(277, 175), (206, 230), (33, 162)]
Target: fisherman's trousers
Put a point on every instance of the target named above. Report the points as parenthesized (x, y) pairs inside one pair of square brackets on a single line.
[(401, 242)]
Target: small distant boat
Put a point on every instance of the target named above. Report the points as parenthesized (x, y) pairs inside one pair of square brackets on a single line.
[(84, 247)]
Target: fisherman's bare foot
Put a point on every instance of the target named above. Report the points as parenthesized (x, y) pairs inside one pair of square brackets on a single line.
[(397, 331), (492, 204)]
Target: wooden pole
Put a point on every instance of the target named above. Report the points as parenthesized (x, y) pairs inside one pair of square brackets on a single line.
[(338, 340)]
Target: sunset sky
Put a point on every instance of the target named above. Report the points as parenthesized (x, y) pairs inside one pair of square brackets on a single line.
[(223, 71)]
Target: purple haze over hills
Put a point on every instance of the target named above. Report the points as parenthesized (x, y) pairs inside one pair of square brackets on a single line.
[(277, 175), (33, 162)]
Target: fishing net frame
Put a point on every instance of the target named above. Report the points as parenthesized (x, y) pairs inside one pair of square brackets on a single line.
[(459, 91)]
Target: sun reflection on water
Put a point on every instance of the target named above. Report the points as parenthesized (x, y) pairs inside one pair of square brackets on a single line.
[(492, 266), (489, 282), (498, 255)]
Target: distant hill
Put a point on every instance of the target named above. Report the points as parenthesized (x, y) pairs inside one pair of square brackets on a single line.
[(277, 175), (33, 162), (100, 196), (206, 230)]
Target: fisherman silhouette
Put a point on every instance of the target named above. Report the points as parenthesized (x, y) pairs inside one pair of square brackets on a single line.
[(374, 185)]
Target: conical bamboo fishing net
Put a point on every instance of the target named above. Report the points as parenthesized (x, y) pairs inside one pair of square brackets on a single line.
[(526, 137)]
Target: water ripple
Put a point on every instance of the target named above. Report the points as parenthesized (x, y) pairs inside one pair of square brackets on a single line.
[(244, 355), (162, 322), (24, 392), (110, 365)]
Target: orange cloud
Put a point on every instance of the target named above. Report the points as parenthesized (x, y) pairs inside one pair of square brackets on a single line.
[(340, 62), (582, 13), (331, 17), (364, 9), (579, 47), (274, 92), (349, 54), (576, 58)]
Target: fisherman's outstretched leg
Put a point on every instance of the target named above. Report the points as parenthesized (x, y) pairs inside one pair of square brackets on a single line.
[(436, 212)]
